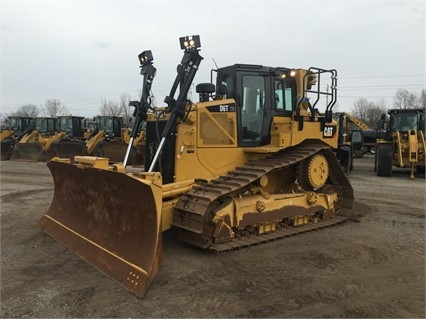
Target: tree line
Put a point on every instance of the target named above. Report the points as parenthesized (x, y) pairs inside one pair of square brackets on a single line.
[(55, 108), (369, 112), (365, 110)]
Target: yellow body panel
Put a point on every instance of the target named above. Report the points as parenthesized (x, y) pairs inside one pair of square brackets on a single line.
[(207, 147)]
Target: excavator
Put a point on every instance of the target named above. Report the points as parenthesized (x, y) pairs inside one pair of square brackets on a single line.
[(252, 161)]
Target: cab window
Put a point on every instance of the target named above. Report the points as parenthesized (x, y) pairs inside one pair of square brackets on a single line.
[(253, 100), (284, 96)]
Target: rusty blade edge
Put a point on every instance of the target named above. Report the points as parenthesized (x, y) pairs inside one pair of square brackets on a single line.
[(130, 276)]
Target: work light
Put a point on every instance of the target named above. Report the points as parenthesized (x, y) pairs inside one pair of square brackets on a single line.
[(145, 57), (190, 42)]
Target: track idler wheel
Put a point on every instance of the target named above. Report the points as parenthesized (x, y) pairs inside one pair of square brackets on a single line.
[(313, 172)]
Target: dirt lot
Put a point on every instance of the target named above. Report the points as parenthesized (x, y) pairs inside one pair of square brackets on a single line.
[(371, 268)]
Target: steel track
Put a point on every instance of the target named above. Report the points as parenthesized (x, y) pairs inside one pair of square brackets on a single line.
[(193, 212)]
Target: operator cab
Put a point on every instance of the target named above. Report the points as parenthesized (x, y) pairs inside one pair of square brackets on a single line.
[(46, 125), (19, 124), (260, 93), (110, 124), (71, 125), (405, 120)]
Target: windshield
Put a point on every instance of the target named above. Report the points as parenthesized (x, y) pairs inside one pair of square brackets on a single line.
[(404, 121), (41, 125), (14, 124), (65, 125)]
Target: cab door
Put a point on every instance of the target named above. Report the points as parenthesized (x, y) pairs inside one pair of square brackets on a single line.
[(254, 108)]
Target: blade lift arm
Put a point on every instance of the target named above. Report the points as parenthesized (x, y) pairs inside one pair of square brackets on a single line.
[(141, 107)]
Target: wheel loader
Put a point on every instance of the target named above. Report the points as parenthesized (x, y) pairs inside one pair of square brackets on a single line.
[(110, 139), (403, 144), (17, 127), (253, 160), (73, 143), (35, 145)]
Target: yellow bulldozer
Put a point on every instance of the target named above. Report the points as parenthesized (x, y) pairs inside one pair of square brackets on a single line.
[(403, 144), (253, 160)]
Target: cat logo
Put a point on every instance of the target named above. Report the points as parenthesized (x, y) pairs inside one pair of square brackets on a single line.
[(328, 131)]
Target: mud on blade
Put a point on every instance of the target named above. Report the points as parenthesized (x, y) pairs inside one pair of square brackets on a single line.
[(109, 219)]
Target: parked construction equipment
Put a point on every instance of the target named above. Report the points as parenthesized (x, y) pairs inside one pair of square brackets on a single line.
[(355, 133), (253, 160), (110, 139), (16, 128), (35, 145), (403, 144), (73, 142)]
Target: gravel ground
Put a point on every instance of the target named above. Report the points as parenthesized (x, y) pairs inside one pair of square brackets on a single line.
[(372, 266)]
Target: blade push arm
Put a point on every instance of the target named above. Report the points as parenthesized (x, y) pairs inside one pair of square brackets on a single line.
[(141, 107)]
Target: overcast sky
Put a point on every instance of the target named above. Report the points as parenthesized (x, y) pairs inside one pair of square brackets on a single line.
[(82, 51)]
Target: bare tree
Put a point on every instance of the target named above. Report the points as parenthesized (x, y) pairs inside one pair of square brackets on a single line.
[(3, 120), (422, 99), (379, 108), (404, 99), (28, 110), (110, 108), (54, 108), (369, 112), (126, 110), (360, 109)]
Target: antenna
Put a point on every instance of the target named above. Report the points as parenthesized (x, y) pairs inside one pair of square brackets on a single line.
[(215, 63)]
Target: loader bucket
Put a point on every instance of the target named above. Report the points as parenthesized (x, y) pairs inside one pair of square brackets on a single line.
[(109, 219), (6, 149), (27, 152), (68, 149), (116, 151)]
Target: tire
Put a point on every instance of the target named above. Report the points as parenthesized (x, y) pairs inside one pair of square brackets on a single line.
[(375, 162), (384, 160), (420, 169)]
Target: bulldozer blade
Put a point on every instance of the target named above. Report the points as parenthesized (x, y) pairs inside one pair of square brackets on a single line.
[(26, 152), (109, 219)]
